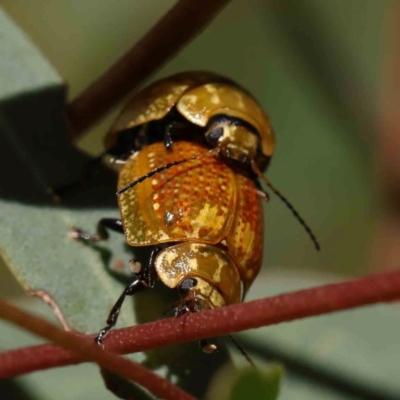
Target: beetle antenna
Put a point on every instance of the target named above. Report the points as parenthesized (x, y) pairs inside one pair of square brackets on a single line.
[(242, 351), (288, 205), (157, 170)]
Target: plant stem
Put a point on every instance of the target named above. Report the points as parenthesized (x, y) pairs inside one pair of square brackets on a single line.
[(87, 350), (176, 28), (371, 289)]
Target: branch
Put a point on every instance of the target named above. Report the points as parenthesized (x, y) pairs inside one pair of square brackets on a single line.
[(221, 321), (176, 28), (89, 351)]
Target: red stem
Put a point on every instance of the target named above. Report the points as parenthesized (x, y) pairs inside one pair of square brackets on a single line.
[(283, 308), (176, 28), (89, 351)]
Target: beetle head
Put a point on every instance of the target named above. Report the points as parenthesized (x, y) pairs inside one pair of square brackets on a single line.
[(236, 139), (198, 294)]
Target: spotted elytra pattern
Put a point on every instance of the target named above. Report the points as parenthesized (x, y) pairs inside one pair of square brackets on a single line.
[(201, 103), (201, 201), (156, 100), (209, 262), (191, 201), (245, 240), (197, 96)]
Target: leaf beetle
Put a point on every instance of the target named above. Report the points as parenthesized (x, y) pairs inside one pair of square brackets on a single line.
[(192, 148), (225, 115)]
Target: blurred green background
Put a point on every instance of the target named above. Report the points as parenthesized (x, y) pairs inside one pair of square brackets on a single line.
[(316, 68), (313, 65)]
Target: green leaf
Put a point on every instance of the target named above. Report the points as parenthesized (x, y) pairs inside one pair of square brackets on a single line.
[(246, 383), (36, 154), (253, 384), (36, 149)]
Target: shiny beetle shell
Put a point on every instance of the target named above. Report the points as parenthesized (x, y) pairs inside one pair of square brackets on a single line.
[(198, 260), (200, 202), (198, 96)]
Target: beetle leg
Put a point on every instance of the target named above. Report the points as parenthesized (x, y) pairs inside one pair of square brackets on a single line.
[(168, 143), (207, 347), (134, 287), (102, 233), (149, 273), (160, 130), (264, 195), (193, 307), (182, 310), (144, 279), (260, 191)]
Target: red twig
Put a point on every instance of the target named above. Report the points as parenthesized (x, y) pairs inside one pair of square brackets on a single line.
[(177, 27), (88, 351), (287, 307)]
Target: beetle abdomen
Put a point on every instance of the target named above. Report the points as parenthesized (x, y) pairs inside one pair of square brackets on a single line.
[(197, 260)]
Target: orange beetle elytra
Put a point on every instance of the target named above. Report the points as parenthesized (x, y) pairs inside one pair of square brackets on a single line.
[(198, 208), (209, 208)]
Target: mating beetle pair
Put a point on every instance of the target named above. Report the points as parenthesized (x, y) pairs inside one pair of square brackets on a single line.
[(193, 147)]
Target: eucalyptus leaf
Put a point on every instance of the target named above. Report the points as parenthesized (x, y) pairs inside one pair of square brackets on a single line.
[(254, 384), (36, 155), (246, 383)]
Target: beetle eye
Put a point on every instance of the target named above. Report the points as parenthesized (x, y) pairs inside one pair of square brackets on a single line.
[(214, 135), (188, 284)]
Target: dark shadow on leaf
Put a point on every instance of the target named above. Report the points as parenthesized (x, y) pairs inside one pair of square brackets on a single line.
[(106, 257), (122, 388), (36, 154), (11, 390)]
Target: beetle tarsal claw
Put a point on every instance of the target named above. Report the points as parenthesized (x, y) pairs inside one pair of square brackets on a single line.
[(79, 234), (263, 195), (76, 233), (135, 266), (208, 348)]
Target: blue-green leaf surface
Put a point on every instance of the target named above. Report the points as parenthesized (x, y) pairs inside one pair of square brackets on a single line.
[(35, 155), (246, 383)]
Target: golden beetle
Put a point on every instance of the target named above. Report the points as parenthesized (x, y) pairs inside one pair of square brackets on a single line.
[(226, 116), (193, 146)]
